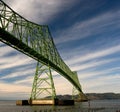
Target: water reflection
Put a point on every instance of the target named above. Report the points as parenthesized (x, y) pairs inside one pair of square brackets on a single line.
[(95, 106)]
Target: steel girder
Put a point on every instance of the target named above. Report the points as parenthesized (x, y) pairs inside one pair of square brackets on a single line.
[(43, 84), (33, 40)]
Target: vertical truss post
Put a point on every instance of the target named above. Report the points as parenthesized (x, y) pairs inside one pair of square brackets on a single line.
[(43, 84)]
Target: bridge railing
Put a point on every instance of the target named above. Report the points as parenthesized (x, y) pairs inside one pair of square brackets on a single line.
[(34, 36)]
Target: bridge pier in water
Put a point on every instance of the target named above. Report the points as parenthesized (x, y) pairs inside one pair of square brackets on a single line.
[(43, 89), (43, 83)]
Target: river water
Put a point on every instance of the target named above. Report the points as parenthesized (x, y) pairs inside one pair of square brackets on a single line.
[(93, 106)]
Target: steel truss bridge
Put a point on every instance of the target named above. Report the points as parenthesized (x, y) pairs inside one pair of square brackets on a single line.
[(35, 41)]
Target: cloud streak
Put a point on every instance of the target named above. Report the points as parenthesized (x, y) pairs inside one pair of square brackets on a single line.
[(14, 91), (98, 84), (79, 67), (88, 28), (94, 55), (39, 11)]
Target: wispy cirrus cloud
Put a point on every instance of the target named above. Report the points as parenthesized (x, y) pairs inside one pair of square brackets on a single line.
[(88, 65), (104, 23), (27, 80), (25, 72), (18, 61), (94, 54), (39, 11), (15, 64), (14, 91), (98, 73), (6, 50), (99, 84)]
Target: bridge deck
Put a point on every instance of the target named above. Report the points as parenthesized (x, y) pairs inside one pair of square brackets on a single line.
[(33, 40)]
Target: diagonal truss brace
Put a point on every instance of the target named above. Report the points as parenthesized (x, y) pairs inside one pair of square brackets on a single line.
[(43, 84)]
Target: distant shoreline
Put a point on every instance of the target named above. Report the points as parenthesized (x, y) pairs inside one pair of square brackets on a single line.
[(91, 96), (102, 96), (94, 96)]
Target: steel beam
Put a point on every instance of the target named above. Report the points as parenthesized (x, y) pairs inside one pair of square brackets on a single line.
[(33, 40)]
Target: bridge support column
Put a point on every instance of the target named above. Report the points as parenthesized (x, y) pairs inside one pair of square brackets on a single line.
[(78, 96), (43, 84), (75, 94)]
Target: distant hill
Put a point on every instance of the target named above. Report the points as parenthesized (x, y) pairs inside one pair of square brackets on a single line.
[(92, 96), (101, 96)]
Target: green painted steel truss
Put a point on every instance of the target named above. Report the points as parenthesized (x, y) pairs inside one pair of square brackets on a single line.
[(33, 40), (43, 84)]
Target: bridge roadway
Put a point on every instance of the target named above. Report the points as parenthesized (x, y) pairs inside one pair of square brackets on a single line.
[(33, 40)]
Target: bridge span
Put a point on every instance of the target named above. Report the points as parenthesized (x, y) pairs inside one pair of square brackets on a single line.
[(33, 40)]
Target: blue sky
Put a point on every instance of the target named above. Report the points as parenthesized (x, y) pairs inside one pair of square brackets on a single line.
[(87, 36)]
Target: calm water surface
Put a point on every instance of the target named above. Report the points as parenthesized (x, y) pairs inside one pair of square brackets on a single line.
[(95, 106)]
